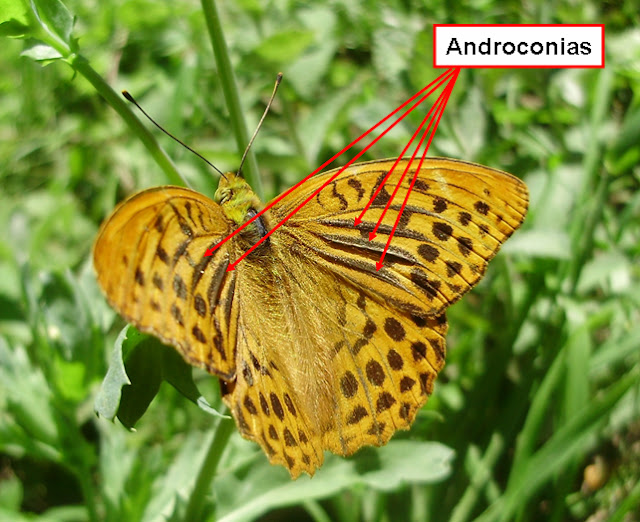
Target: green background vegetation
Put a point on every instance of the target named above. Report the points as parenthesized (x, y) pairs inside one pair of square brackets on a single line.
[(542, 376)]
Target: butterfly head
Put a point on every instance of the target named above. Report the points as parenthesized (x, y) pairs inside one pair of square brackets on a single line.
[(236, 198)]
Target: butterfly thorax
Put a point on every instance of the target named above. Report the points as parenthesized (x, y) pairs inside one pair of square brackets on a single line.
[(239, 203)]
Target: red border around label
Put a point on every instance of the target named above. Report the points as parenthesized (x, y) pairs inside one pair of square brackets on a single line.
[(519, 66)]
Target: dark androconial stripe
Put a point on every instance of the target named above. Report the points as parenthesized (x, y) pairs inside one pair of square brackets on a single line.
[(383, 229), (213, 292), (202, 266), (364, 248)]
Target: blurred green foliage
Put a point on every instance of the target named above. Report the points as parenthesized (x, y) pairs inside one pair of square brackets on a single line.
[(542, 370)]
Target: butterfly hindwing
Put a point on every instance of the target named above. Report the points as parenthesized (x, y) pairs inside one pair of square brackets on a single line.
[(322, 365), (384, 362)]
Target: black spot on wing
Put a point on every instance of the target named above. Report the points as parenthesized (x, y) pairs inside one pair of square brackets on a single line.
[(179, 287), (442, 230), (357, 186), (481, 207), (161, 253), (344, 204)]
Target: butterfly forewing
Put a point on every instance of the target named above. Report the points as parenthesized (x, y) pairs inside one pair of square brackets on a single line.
[(457, 216), (149, 259)]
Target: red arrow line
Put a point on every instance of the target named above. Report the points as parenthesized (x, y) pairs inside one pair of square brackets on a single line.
[(233, 265), (443, 105), (443, 78), (372, 234), (210, 251)]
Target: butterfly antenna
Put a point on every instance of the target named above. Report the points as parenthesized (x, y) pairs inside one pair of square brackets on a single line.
[(132, 100), (255, 133)]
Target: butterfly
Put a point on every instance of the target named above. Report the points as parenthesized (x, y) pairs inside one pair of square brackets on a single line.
[(316, 349)]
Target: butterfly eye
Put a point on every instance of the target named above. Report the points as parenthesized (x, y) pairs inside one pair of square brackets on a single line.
[(225, 197)]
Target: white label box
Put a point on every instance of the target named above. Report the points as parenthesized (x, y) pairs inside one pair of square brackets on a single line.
[(521, 45)]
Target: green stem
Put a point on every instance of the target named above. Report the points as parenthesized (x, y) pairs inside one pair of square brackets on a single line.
[(118, 103), (81, 65), (208, 468), (230, 90), (315, 511), (88, 492), (595, 189), (627, 507), (481, 478), (536, 416), (576, 437)]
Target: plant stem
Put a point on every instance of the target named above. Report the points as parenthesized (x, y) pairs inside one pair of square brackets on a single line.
[(595, 189), (116, 101), (81, 65), (230, 90), (481, 478), (88, 492), (208, 468)]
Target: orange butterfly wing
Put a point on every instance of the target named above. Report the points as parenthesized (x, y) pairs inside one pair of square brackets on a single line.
[(148, 257)]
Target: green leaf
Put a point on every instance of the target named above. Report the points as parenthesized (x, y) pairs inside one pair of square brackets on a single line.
[(138, 366), (144, 367), (55, 16), (576, 436), (392, 50), (179, 374), (307, 73), (11, 493), (14, 18), (29, 419), (167, 501), (108, 398), (41, 52), (69, 378), (383, 469), (404, 462), (541, 243), (314, 127), (284, 46)]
